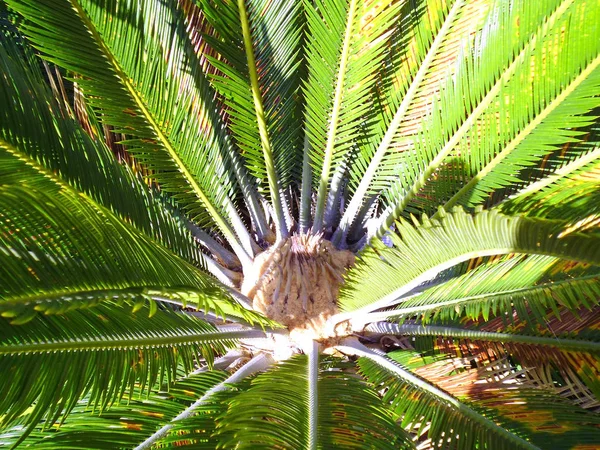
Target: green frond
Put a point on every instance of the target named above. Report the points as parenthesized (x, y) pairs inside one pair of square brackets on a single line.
[(547, 420), (101, 352), (250, 422), (201, 430), (513, 407), (542, 117), (123, 425), (421, 31), (197, 425), (173, 132), (569, 193), (345, 46), (59, 250), (419, 404), (70, 157), (277, 57), (480, 83), (559, 354), (527, 286), (560, 342), (258, 78), (418, 253)]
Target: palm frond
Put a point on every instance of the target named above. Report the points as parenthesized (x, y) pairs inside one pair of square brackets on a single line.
[(416, 401), (399, 91), (200, 30), (59, 250), (418, 253), (568, 193), (117, 348), (444, 135), (344, 46), (256, 364), (258, 79), (70, 156), (252, 423), (524, 286), (511, 398), (543, 117), (547, 420), (125, 424), (175, 132)]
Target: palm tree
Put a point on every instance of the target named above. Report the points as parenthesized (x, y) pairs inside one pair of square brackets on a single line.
[(300, 225)]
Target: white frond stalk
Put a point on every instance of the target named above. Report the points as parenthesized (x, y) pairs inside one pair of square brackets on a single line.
[(221, 253), (242, 233), (463, 333), (313, 396), (224, 275), (256, 364)]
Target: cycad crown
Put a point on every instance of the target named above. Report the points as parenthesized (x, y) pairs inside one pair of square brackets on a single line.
[(300, 224)]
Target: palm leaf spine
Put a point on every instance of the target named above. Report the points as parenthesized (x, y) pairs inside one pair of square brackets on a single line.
[(219, 220), (335, 197), (393, 212), (333, 123), (240, 229), (355, 348), (224, 275), (250, 195), (119, 343), (228, 258), (524, 133), (38, 301), (359, 195), (476, 335), (282, 229), (256, 364)]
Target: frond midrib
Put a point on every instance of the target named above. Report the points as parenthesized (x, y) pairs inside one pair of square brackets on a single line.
[(523, 291), (278, 200), (119, 342), (560, 342), (333, 122)]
